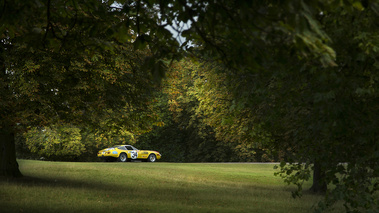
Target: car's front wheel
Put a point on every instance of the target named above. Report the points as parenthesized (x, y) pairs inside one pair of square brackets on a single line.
[(152, 158), (122, 157)]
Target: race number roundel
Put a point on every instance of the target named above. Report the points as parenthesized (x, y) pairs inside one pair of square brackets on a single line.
[(133, 154)]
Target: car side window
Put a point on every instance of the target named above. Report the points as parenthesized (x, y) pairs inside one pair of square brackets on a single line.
[(122, 148), (129, 148)]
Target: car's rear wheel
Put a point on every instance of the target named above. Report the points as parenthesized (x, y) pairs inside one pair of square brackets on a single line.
[(122, 157), (152, 158)]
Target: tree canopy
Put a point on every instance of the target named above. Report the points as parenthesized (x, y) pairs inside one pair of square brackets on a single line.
[(300, 77), (305, 76), (82, 62)]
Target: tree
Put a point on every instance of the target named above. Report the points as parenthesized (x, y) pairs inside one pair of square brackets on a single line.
[(79, 62), (184, 135), (57, 142), (305, 74)]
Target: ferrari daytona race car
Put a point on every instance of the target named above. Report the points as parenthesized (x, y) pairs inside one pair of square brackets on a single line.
[(124, 153)]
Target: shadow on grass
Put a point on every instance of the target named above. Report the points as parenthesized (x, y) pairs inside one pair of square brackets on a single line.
[(56, 182), (157, 194), (52, 182)]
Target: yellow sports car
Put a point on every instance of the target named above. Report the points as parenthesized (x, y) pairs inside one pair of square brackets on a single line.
[(123, 153)]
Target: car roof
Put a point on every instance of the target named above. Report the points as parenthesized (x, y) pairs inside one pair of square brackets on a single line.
[(125, 145)]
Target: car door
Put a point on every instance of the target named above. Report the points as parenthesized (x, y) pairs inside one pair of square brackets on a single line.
[(143, 154), (132, 152)]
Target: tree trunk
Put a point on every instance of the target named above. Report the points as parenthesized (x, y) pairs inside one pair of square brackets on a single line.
[(8, 163), (319, 185)]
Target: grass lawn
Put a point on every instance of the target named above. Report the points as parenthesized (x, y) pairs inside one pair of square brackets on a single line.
[(149, 187)]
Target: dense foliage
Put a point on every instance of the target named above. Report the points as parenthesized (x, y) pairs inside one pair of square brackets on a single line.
[(302, 78), (198, 125), (86, 63), (65, 142)]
